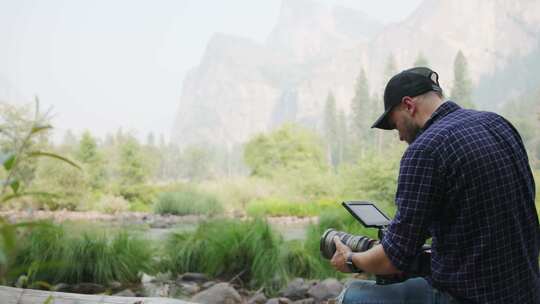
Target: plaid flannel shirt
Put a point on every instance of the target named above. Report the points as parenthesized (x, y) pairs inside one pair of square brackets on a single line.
[(465, 181)]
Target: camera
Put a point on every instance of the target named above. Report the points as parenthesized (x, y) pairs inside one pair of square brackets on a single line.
[(371, 217)]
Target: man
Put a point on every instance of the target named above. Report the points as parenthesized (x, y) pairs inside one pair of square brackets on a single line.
[(465, 181)]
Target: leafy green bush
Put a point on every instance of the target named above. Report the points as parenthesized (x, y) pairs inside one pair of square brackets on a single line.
[(249, 251), (373, 178), (187, 202), (112, 204), (290, 147), (144, 194), (48, 254)]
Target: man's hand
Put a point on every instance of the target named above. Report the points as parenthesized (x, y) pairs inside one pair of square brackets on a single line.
[(339, 259)]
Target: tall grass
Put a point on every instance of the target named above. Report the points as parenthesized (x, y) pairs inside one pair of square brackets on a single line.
[(49, 254), (281, 207), (248, 251), (305, 260), (187, 202)]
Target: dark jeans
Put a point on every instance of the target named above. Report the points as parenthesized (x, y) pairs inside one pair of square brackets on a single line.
[(415, 290)]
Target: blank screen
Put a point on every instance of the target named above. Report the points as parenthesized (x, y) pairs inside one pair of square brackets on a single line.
[(369, 215)]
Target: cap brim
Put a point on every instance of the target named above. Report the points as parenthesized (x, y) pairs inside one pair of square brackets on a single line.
[(382, 122)]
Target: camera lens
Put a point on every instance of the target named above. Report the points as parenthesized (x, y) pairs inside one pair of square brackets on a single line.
[(357, 243)]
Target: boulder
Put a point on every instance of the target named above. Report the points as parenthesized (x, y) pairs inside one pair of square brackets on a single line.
[(221, 293), (296, 289), (327, 289), (156, 289), (208, 284), (279, 301), (188, 288), (258, 298)]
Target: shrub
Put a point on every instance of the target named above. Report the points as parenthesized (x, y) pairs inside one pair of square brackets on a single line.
[(112, 204), (145, 194), (187, 202), (49, 254), (249, 251)]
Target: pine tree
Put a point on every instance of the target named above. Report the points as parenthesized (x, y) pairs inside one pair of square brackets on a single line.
[(132, 169), (88, 154), (87, 151), (342, 135), (461, 92), (359, 104), (331, 129), (390, 69), (421, 61)]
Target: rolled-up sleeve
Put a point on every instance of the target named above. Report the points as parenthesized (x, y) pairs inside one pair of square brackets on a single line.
[(419, 191)]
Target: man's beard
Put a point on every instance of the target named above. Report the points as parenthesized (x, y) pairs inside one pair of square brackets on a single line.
[(411, 130)]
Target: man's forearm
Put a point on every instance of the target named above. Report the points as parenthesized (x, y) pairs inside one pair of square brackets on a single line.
[(374, 261)]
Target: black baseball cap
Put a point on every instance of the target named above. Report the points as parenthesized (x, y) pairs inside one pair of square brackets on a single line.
[(411, 82)]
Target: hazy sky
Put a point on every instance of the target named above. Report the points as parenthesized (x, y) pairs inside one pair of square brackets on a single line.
[(105, 64)]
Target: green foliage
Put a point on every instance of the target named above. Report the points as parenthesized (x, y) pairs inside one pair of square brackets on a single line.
[(131, 170), (112, 204), (68, 183), (524, 114), (141, 193), (288, 148), (195, 163), (331, 130), (300, 261), (374, 178), (305, 260), (49, 254), (248, 251), (236, 193), (94, 165), (360, 106), (187, 202), (280, 207), (462, 89)]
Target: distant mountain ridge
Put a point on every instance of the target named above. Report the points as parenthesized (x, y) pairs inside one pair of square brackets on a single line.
[(242, 87)]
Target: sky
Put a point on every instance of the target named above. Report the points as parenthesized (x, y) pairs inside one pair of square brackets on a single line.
[(108, 64)]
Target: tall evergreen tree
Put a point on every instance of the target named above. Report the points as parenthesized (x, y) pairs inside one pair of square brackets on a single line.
[(331, 129), (342, 135), (359, 104), (390, 68), (462, 89), (87, 151), (89, 155), (421, 61), (132, 169)]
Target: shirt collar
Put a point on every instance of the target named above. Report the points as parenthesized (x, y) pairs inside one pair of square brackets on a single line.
[(443, 110)]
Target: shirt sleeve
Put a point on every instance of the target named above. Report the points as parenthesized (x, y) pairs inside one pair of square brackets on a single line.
[(418, 193)]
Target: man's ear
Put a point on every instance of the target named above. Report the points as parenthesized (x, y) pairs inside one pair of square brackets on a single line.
[(409, 105)]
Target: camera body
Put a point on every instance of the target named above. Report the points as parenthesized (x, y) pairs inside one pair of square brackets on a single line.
[(371, 217)]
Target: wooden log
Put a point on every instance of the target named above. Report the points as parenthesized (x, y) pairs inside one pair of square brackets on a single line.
[(10, 295)]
